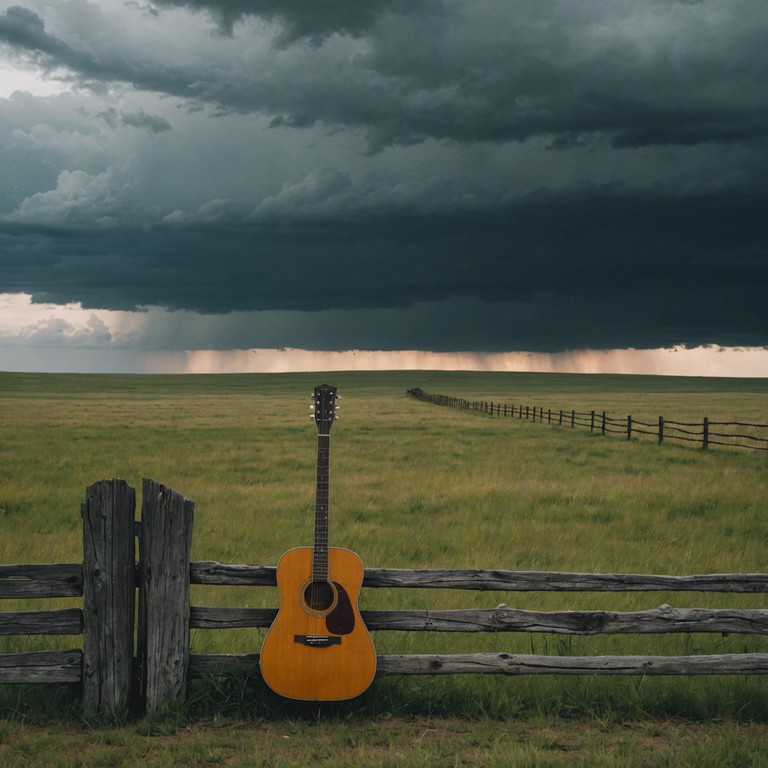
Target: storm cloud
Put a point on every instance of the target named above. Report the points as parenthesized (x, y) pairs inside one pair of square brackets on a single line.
[(299, 20), (663, 73), (540, 175)]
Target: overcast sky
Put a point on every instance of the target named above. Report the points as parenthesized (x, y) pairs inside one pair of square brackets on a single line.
[(441, 175)]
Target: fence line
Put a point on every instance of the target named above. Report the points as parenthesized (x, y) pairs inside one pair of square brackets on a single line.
[(118, 668), (701, 432)]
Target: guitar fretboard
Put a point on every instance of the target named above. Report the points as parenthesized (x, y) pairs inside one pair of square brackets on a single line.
[(320, 551)]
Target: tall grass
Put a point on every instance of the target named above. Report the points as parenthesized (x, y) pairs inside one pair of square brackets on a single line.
[(414, 486)]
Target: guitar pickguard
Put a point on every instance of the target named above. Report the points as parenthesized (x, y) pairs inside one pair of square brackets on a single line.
[(341, 620)]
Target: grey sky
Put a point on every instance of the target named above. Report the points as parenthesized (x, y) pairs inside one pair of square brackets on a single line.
[(444, 174)]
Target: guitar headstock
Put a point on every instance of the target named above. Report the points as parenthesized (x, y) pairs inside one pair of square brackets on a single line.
[(324, 407)]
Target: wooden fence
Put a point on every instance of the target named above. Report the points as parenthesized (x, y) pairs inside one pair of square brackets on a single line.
[(119, 668), (704, 433)]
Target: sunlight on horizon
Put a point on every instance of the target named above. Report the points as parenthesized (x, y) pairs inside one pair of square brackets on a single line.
[(39, 337), (677, 361)]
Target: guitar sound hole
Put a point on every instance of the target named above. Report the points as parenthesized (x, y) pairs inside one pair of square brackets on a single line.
[(319, 595)]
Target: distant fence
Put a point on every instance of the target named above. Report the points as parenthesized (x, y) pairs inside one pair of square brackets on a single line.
[(120, 669), (705, 433)]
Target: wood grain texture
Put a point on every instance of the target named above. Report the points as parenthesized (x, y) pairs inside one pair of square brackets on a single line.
[(60, 621), (546, 581), (518, 664), (664, 619), (523, 664), (233, 574), (41, 667), (108, 589), (166, 544), (300, 671), (211, 572), (47, 580)]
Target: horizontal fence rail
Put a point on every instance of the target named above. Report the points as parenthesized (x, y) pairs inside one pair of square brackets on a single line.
[(150, 662), (705, 433), (52, 580), (232, 574), (202, 665), (664, 619), (42, 667)]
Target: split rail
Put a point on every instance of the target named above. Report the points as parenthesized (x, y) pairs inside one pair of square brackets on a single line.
[(705, 433), (125, 664)]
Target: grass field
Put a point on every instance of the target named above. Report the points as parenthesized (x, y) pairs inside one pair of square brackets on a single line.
[(412, 486)]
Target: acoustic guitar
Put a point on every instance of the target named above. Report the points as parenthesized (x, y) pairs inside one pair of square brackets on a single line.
[(318, 648)]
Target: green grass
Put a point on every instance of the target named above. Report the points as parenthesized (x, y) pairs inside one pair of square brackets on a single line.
[(390, 742), (412, 486)]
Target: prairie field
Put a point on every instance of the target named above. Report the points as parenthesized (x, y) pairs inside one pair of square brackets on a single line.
[(415, 485)]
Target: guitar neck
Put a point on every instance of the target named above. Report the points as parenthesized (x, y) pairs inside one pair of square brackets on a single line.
[(320, 550)]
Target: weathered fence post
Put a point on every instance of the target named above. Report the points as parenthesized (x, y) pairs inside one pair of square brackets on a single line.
[(592, 423), (108, 596), (705, 434), (629, 427), (165, 549), (661, 430)]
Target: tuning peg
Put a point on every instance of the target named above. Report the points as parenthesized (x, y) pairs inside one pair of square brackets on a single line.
[(311, 407)]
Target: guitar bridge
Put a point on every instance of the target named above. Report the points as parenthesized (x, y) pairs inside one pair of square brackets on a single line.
[(317, 641)]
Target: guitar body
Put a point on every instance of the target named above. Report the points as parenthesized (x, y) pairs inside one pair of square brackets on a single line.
[(318, 648)]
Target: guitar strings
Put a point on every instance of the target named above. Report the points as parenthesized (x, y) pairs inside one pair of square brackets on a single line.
[(320, 557)]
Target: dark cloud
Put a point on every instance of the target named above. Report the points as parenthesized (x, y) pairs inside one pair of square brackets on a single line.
[(140, 119), (553, 272), (298, 19), (541, 175), (692, 79), (24, 29)]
